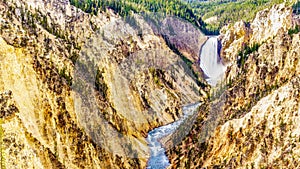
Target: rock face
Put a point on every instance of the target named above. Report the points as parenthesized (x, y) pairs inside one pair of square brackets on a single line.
[(266, 136), (184, 39), (233, 39), (8, 107), (184, 36), (252, 118), (83, 90), (267, 24)]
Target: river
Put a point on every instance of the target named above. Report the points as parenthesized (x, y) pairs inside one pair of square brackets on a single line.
[(213, 69), (158, 158)]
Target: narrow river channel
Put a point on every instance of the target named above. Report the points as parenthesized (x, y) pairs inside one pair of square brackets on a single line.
[(158, 158), (213, 69)]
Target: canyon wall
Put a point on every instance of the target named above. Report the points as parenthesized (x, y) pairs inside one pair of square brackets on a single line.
[(251, 120)]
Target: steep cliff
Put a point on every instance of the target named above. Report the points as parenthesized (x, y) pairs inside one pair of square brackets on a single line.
[(82, 90), (251, 120)]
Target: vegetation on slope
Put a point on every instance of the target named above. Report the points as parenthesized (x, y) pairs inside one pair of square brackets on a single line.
[(294, 30), (244, 54), (230, 11), (125, 7), (296, 8), (226, 12)]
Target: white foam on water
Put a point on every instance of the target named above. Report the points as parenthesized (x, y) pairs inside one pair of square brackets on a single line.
[(158, 158)]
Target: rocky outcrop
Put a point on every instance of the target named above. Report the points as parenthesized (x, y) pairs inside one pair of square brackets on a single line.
[(267, 24), (184, 36), (8, 107), (18, 143), (233, 40)]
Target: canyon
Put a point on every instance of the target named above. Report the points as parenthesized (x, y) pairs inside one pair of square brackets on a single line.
[(82, 90)]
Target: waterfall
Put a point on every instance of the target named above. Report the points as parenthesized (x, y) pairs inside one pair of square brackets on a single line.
[(210, 61)]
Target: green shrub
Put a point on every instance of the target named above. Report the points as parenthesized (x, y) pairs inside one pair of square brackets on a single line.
[(294, 30), (100, 84), (243, 55), (67, 77)]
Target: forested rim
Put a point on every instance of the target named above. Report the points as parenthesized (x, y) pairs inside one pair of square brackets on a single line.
[(193, 11), (296, 7), (167, 7)]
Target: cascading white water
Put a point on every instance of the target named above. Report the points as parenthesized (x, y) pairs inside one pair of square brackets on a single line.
[(158, 158), (210, 61), (214, 69)]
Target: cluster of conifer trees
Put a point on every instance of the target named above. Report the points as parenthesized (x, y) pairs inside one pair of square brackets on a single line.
[(124, 7)]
